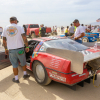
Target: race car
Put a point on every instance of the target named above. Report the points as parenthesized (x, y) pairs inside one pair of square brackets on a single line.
[(63, 60), (89, 37)]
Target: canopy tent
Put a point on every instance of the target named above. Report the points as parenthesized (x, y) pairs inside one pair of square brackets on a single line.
[(95, 23)]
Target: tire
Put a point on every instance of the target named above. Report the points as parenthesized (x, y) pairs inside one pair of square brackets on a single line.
[(29, 35), (33, 35), (85, 39), (40, 74)]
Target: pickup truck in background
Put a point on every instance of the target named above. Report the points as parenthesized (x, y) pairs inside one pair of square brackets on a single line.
[(32, 30)]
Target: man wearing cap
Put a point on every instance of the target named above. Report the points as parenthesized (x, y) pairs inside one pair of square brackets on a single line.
[(79, 33), (13, 41)]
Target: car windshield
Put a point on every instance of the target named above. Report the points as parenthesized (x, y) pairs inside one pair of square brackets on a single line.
[(64, 44), (34, 26)]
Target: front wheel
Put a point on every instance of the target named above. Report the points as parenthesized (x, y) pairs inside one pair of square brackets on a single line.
[(85, 39), (40, 73)]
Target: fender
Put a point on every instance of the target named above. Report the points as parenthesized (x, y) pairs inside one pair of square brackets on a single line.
[(48, 60)]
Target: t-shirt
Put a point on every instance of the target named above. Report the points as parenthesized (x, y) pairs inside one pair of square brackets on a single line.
[(71, 29), (79, 31), (13, 33), (1, 29), (56, 28), (92, 28), (84, 27), (66, 31)]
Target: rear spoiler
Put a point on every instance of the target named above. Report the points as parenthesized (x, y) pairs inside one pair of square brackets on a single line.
[(77, 58)]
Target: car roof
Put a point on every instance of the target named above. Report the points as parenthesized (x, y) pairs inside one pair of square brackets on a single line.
[(48, 38), (30, 24)]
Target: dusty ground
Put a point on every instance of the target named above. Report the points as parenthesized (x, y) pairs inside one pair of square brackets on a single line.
[(30, 90)]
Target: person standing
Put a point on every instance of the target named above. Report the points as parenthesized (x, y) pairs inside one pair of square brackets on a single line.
[(92, 29), (40, 31), (67, 31), (43, 30), (71, 30), (62, 29), (55, 30), (1, 30), (79, 33), (25, 30), (14, 39), (84, 27)]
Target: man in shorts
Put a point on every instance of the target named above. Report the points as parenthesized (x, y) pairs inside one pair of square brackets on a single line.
[(14, 39)]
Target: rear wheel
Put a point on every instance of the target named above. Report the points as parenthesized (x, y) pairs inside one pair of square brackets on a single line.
[(85, 39), (29, 35), (40, 74), (33, 35)]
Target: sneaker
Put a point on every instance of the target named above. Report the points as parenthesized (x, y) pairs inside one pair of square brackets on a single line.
[(16, 81), (26, 76)]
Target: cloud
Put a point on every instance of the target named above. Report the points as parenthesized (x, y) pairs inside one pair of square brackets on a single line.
[(49, 12)]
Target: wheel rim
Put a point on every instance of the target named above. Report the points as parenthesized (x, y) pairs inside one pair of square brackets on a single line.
[(40, 73), (85, 40)]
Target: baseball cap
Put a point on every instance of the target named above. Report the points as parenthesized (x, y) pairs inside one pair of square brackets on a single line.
[(75, 21), (13, 18)]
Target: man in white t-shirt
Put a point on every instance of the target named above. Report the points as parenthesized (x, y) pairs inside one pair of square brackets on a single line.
[(79, 33), (13, 41)]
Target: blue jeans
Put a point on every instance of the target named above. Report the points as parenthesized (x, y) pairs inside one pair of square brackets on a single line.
[(79, 41)]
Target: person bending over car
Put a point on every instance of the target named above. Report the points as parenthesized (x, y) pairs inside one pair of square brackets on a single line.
[(79, 33), (13, 41)]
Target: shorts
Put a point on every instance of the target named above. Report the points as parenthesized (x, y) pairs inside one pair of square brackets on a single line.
[(66, 34), (0, 33), (15, 55), (70, 34)]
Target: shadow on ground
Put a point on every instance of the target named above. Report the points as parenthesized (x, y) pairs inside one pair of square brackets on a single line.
[(55, 91)]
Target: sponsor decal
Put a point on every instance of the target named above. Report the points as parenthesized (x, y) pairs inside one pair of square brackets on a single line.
[(35, 54), (55, 62), (52, 37), (40, 43), (79, 74), (57, 77), (35, 49), (84, 52), (42, 48), (54, 72)]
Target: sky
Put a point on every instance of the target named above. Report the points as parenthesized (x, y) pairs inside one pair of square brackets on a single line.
[(49, 12)]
